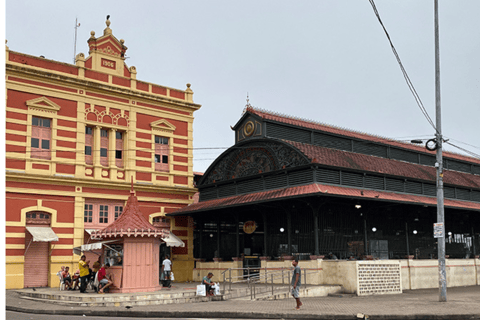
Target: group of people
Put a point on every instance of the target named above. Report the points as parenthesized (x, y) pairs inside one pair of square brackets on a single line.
[(85, 274)]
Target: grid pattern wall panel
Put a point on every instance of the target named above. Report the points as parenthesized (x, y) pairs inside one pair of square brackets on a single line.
[(370, 149), (333, 142), (413, 187), (374, 182), (378, 278), (463, 194), (276, 182), (399, 154), (328, 176), (352, 179), (227, 190), (288, 133), (427, 160), (250, 186), (458, 166), (300, 177)]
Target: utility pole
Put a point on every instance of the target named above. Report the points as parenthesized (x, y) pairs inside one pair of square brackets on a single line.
[(442, 275), (75, 41)]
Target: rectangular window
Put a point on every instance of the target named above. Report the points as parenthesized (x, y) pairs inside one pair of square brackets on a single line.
[(161, 153), (119, 149), (104, 147), (118, 211), (88, 145), (88, 213), (103, 214), (41, 138)]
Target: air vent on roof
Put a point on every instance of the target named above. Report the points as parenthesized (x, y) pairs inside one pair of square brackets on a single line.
[(476, 170), (300, 177), (476, 196), (329, 141), (287, 133), (328, 176), (352, 179), (208, 194), (399, 154), (276, 182), (369, 149), (376, 183)]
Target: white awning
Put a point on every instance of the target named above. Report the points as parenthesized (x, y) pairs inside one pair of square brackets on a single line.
[(42, 234), (173, 241), (90, 247), (89, 231)]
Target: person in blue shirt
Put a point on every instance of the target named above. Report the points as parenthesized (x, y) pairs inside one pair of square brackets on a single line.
[(296, 283), (207, 282)]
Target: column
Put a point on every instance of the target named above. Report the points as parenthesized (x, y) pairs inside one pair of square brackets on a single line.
[(289, 232), (96, 153), (265, 253), (237, 236)]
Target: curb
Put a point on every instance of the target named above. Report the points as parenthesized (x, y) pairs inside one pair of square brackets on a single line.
[(238, 315)]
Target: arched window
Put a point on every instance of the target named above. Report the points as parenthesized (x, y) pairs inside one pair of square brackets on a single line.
[(38, 218), (161, 222)]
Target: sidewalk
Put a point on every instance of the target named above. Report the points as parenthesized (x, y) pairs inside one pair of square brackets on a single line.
[(463, 303)]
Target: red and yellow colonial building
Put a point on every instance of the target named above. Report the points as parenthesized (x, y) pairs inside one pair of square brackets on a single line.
[(76, 135)]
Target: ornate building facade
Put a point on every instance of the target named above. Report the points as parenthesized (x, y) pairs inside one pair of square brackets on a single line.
[(76, 135)]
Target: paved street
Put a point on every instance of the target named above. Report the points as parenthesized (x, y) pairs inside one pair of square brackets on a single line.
[(463, 303)]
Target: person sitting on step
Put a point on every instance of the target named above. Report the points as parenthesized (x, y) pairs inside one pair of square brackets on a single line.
[(104, 279)]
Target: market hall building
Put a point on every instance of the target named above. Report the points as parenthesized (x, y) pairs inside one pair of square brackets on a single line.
[(76, 135), (291, 187)]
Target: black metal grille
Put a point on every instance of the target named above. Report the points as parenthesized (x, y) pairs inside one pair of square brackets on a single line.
[(429, 189), (395, 185), (276, 182), (300, 177), (328, 176), (449, 192), (227, 190), (403, 155), (463, 194), (458, 166), (250, 186), (427, 160), (352, 179), (476, 170), (329, 141), (208, 194), (413, 187), (370, 149), (476, 196), (374, 182), (288, 133)]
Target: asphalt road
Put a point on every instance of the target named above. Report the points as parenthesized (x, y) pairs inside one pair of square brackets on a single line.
[(10, 315)]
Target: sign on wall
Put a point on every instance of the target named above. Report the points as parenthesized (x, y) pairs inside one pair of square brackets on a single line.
[(249, 227)]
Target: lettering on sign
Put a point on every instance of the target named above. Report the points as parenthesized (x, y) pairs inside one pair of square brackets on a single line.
[(108, 64), (438, 230), (249, 227)]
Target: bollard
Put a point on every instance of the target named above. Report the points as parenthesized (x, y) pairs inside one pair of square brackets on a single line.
[(272, 284)]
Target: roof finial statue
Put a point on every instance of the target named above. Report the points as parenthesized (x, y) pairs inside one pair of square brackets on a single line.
[(248, 101), (107, 29)]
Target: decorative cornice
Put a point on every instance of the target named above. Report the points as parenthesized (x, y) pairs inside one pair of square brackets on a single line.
[(162, 125), (43, 104)]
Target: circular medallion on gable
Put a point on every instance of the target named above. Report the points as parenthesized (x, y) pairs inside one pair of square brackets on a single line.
[(249, 128)]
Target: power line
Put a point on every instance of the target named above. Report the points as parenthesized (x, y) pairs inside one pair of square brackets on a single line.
[(405, 75)]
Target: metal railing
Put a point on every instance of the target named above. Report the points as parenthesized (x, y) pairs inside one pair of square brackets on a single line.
[(277, 281)]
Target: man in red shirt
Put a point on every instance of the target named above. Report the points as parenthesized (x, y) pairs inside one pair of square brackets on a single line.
[(103, 278)]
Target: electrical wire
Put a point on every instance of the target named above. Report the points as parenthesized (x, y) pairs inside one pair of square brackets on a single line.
[(405, 75)]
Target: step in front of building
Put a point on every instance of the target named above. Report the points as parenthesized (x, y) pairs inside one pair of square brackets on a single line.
[(117, 300)]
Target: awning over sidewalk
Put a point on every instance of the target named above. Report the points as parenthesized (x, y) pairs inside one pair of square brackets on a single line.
[(42, 234), (90, 247), (173, 241)]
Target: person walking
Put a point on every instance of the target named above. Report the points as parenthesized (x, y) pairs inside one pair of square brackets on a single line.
[(166, 270), (84, 273), (296, 283)]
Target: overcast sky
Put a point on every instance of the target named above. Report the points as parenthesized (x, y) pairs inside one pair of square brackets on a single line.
[(327, 61)]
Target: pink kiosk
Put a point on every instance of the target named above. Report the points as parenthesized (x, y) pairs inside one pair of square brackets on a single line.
[(132, 246)]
